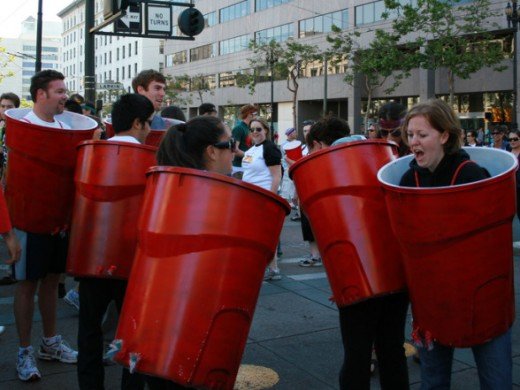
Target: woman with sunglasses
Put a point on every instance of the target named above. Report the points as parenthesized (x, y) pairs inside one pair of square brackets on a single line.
[(390, 119), (514, 143), (471, 139), (433, 134), (262, 164), (203, 143)]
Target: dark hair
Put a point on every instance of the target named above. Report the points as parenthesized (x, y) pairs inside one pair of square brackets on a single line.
[(328, 130), (500, 128), (89, 106), (472, 132), (128, 108), (204, 108), (77, 97), (42, 79), (391, 115), (184, 144), (12, 97), (73, 106), (145, 77), (173, 112), (308, 122)]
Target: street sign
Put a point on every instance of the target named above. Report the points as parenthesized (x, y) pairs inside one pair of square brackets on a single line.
[(131, 22), (110, 86), (158, 19)]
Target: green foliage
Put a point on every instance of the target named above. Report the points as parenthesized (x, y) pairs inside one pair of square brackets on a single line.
[(4, 62), (384, 56), (452, 35), (286, 60)]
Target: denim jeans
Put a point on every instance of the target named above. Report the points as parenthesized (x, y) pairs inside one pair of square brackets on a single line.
[(494, 364)]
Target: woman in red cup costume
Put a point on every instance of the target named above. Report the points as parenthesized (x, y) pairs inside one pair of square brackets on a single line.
[(432, 131)]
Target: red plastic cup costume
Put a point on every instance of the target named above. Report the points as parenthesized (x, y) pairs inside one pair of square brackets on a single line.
[(293, 150), (457, 251), (110, 181), (340, 194), (40, 171), (204, 242), (5, 223)]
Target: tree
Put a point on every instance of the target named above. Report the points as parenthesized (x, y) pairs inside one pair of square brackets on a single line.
[(287, 59), (200, 84), (177, 89), (5, 59), (451, 35), (383, 57)]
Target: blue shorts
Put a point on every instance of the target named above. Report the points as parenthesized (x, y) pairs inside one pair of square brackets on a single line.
[(42, 254)]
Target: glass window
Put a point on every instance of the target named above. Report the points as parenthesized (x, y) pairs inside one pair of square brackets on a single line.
[(264, 4), (235, 11), (279, 34)]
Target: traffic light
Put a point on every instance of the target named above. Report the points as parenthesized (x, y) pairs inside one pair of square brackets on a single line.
[(111, 7), (191, 22)]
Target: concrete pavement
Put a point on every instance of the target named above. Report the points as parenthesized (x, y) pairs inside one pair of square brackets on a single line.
[(294, 342)]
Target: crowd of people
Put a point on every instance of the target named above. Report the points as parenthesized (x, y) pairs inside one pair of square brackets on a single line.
[(430, 131)]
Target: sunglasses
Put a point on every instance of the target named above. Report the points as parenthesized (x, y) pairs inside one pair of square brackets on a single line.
[(393, 133), (514, 139), (258, 129), (495, 133), (229, 144)]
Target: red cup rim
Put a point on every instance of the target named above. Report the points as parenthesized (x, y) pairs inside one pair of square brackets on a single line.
[(222, 178), (116, 143), (345, 145)]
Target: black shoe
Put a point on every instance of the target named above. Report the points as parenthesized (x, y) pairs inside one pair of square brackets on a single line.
[(61, 290)]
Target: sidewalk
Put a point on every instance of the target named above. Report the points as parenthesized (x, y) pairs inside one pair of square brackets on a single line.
[(294, 342)]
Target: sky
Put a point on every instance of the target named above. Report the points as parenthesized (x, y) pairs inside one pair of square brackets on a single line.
[(14, 12)]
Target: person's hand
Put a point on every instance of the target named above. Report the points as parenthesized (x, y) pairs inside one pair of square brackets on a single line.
[(13, 246)]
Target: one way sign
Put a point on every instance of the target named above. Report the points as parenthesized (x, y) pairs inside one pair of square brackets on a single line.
[(131, 22)]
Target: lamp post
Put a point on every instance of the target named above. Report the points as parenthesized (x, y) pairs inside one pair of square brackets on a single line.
[(271, 60), (511, 12)]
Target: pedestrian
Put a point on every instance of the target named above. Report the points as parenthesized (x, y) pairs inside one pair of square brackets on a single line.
[(241, 135), (288, 191), (377, 321), (514, 141), (208, 109), (173, 112), (390, 120), (9, 237), (43, 255), (262, 164), (152, 84), (471, 139), (499, 141), (433, 135), (131, 118)]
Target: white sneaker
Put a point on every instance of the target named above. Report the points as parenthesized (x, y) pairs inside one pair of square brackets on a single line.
[(58, 350), (26, 366), (272, 274)]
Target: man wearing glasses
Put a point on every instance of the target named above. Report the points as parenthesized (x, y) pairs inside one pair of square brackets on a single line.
[(241, 135), (499, 141)]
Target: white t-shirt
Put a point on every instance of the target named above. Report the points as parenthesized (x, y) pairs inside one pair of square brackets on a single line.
[(124, 138), (35, 120), (255, 166)]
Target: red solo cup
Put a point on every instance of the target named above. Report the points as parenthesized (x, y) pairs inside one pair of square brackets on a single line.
[(457, 252), (293, 150), (40, 170), (110, 181), (340, 194), (196, 276)]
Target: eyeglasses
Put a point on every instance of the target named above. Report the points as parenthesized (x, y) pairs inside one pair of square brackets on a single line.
[(371, 130), (514, 139), (259, 129), (394, 133), (229, 144)]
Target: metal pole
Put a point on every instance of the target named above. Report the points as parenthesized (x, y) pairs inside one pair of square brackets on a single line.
[(325, 82), (39, 25), (90, 75), (514, 114)]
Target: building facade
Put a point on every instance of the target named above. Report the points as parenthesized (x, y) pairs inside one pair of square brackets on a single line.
[(117, 59), (23, 52), (221, 52)]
